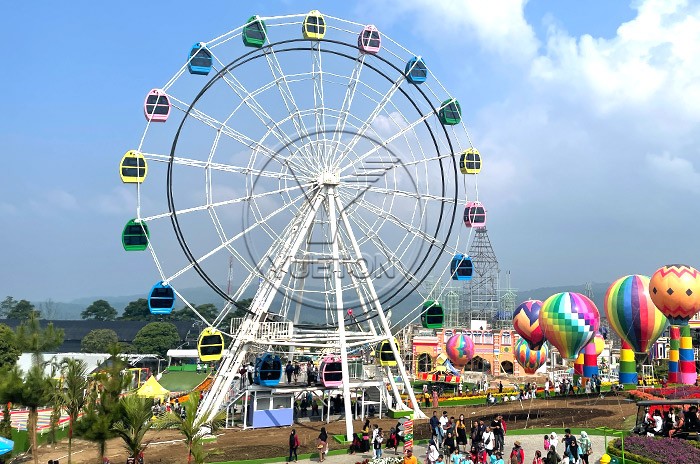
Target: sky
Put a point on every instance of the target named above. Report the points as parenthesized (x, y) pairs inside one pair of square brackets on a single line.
[(586, 114)]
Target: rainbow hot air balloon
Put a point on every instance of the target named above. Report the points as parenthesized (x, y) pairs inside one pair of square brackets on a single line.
[(569, 321), (632, 313), (527, 323), (460, 349), (530, 359), (675, 290)]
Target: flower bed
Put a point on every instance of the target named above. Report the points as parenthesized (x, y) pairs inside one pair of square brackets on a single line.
[(387, 460), (642, 395), (655, 450), (672, 393)]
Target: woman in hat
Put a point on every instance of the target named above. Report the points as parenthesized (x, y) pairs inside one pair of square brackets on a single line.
[(517, 455), (499, 457)]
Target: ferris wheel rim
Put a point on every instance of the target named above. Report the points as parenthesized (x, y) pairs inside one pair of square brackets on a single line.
[(258, 53)]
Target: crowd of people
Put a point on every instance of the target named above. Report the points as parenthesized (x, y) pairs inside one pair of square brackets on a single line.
[(458, 441), (671, 423)]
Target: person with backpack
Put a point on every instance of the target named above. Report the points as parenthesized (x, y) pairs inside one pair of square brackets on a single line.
[(293, 445), (489, 441), (432, 454), (517, 454)]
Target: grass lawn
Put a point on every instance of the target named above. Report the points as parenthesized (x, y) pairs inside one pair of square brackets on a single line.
[(181, 381)]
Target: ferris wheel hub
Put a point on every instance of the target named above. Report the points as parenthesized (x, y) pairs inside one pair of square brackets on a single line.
[(329, 177)]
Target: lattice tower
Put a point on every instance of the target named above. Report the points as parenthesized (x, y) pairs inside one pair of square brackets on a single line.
[(480, 296)]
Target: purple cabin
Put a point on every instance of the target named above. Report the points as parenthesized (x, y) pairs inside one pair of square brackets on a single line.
[(331, 370)]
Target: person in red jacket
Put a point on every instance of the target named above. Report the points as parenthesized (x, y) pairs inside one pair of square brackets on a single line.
[(517, 455), (293, 445)]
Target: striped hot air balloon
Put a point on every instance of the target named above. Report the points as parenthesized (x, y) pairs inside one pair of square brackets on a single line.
[(632, 313), (530, 359), (527, 323)]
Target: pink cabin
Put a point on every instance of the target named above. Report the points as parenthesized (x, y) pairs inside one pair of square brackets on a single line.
[(474, 214), (331, 371), (369, 40), (156, 106)]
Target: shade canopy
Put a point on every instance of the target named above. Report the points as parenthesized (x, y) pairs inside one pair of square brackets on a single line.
[(152, 389)]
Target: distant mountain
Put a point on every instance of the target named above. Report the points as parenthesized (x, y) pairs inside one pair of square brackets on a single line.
[(201, 295)]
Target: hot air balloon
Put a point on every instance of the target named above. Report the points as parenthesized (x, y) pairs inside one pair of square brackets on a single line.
[(632, 313), (460, 349), (599, 344), (530, 359), (527, 324), (675, 290), (569, 321)]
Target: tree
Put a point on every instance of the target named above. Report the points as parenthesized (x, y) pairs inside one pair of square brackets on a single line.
[(191, 426), (208, 311), (75, 383), (48, 309), (157, 338), (98, 341), (30, 337), (57, 404), (99, 310), (102, 407), (240, 311), (138, 311), (7, 305), (9, 351), (136, 415), (6, 423), (32, 391), (22, 311)]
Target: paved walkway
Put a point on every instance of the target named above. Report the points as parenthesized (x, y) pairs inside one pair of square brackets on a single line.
[(530, 443)]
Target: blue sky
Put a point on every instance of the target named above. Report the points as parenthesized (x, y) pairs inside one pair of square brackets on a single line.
[(589, 129)]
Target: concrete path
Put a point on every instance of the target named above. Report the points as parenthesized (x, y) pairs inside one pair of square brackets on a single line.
[(530, 443)]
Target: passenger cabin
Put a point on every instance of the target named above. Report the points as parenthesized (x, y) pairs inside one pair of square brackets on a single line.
[(385, 354), (416, 71), (433, 315), (369, 40), (254, 32), (133, 168), (474, 215), (161, 300), (314, 26), (331, 371), (268, 370), (210, 345), (470, 161), (156, 106), (450, 112), (461, 268), (200, 60), (135, 235)]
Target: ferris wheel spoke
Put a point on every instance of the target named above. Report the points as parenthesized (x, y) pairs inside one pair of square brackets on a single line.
[(347, 104), (397, 192), (319, 103), (179, 160), (373, 209), (385, 249), (386, 98), (288, 98), (241, 138), (234, 238), (386, 142)]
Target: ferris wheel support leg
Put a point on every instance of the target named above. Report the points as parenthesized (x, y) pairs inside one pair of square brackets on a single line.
[(395, 391), (338, 287), (417, 413)]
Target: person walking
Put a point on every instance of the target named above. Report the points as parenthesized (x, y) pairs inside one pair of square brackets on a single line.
[(552, 456), (517, 454), (489, 441), (293, 445), (461, 429), (585, 447), (497, 429), (573, 452), (538, 458), (432, 453), (322, 444), (289, 370), (365, 436)]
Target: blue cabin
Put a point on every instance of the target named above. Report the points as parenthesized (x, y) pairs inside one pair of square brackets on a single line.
[(268, 370), (416, 71), (200, 60), (461, 268), (161, 300)]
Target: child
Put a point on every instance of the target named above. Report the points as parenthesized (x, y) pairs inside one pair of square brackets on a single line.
[(546, 443), (538, 458)]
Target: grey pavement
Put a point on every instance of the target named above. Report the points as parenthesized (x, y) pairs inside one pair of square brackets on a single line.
[(530, 444)]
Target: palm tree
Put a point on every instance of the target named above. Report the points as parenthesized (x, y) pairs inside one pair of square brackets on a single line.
[(32, 391), (191, 426), (134, 423), (75, 384)]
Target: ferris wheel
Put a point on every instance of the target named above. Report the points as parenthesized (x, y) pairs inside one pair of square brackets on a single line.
[(330, 166)]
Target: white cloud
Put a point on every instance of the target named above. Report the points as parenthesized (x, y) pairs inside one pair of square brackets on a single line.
[(118, 201), (674, 172), (498, 27), (650, 65)]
